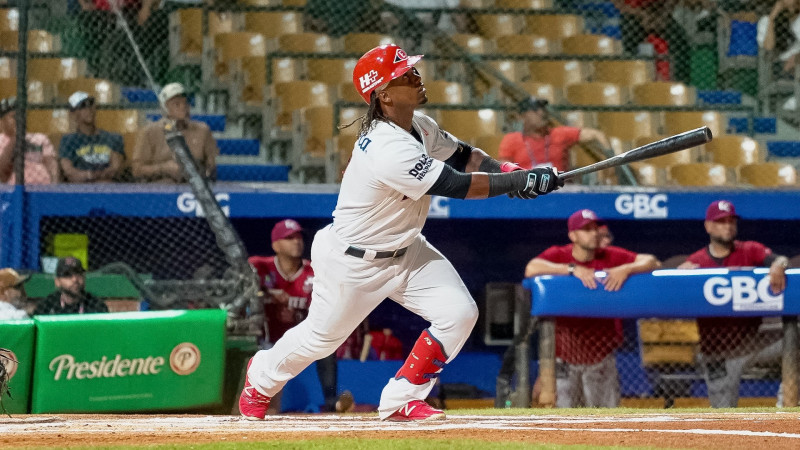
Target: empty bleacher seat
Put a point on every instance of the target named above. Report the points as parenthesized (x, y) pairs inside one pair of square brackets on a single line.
[(245, 172), (349, 123), (699, 174), (39, 41), (490, 144), (52, 122), (663, 93), (473, 43), (318, 123), (768, 174), (235, 46), (296, 96), (732, 151), (624, 73), (558, 73), (273, 23), (305, 43), (494, 25), (38, 92), (679, 121), (590, 44), (468, 125), (523, 44), (361, 43), (119, 120), (8, 67), (647, 174), (186, 32), (596, 93), (53, 70), (446, 92), (330, 70), (238, 147), (542, 90), (627, 125), (554, 26), (105, 92), (9, 19)]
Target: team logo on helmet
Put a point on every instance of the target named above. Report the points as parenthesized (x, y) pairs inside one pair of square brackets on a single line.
[(369, 80), (400, 55)]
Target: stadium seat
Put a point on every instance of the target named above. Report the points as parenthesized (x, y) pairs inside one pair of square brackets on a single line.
[(732, 150), (38, 92), (473, 43), (523, 44), (305, 43), (229, 47), (360, 43), (647, 174), (494, 25), (624, 73), (260, 2), (627, 125), (186, 31), (590, 44), (524, 4), (512, 70), (768, 174), (318, 123), (679, 121), (254, 76), (294, 2), (330, 71), (349, 120), (445, 92), (543, 90), (298, 95), (699, 174), (668, 160), (344, 145), (105, 92), (347, 92), (274, 23), (468, 125), (578, 118), (490, 144), (579, 157), (53, 70), (48, 121), (553, 26), (8, 67), (596, 93), (664, 93), (120, 120), (558, 73), (39, 41), (9, 19)]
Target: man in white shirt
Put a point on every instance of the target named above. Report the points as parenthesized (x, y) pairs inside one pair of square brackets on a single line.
[(12, 295), (374, 248)]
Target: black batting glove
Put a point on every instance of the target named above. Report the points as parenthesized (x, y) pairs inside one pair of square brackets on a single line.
[(540, 181)]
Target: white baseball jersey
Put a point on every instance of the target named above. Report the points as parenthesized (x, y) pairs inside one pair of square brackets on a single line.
[(382, 204)]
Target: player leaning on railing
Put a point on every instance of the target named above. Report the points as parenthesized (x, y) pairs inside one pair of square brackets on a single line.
[(374, 248)]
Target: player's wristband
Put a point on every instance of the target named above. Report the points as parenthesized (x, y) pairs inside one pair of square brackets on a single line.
[(509, 167)]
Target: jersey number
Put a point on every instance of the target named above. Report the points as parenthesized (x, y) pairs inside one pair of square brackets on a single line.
[(363, 142)]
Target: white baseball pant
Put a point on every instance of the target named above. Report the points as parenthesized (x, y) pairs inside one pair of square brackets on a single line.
[(347, 289)]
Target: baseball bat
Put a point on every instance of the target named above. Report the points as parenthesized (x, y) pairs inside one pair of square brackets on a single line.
[(665, 146)]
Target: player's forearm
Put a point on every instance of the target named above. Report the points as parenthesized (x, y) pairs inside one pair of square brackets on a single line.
[(643, 263)]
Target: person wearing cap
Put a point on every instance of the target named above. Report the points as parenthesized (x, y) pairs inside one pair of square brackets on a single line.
[(12, 295), (286, 281), (154, 161), (541, 144), (89, 154), (586, 372), (41, 166), (729, 345), (70, 296), (374, 248)]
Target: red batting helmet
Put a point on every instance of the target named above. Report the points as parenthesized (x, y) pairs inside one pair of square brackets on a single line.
[(379, 66)]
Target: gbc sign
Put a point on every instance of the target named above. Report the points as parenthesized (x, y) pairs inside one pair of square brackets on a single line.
[(642, 206), (439, 207), (746, 293), (188, 204)]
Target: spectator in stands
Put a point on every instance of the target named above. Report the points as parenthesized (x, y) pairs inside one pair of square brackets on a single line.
[(41, 166), (70, 296), (540, 144), (152, 158), (650, 22), (605, 235), (729, 345), (286, 280), (586, 372), (89, 154), (780, 32), (12, 295)]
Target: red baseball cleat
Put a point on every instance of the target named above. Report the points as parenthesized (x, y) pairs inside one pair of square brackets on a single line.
[(252, 404), (416, 411)]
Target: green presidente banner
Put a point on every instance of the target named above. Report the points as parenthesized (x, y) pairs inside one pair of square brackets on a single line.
[(17, 337), (132, 361)]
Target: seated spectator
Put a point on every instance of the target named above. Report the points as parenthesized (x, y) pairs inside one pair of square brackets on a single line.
[(41, 166), (539, 144), (780, 32), (89, 155), (12, 295), (70, 296), (154, 161)]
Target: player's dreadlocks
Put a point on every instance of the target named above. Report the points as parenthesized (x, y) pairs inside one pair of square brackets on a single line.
[(374, 113)]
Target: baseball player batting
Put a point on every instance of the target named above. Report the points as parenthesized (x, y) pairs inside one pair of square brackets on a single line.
[(374, 248)]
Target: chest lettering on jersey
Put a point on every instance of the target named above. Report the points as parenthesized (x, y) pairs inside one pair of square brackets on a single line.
[(363, 142), (422, 167), (298, 303)]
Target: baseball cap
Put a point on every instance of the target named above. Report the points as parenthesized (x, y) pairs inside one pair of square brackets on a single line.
[(171, 90), (284, 229), (379, 66), (69, 266), (720, 209), (7, 105), (532, 104), (581, 218), (10, 278), (77, 99)]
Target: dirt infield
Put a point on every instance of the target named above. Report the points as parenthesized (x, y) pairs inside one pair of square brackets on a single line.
[(727, 431)]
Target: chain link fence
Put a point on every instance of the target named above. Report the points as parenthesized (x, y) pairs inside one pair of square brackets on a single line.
[(272, 81)]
